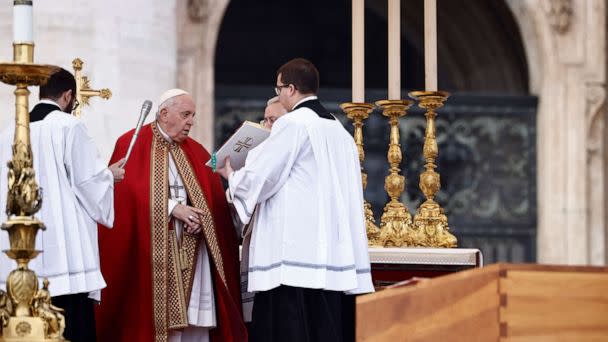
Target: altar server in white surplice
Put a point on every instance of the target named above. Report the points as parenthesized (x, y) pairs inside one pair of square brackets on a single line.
[(77, 194), (308, 247)]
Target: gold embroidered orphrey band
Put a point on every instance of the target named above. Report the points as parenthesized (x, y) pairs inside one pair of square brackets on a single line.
[(173, 265)]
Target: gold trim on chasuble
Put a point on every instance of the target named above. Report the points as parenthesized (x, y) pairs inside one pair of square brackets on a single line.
[(172, 280)]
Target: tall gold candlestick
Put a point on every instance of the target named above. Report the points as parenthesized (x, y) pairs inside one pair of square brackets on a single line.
[(396, 221), (358, 112), (430, 220), (26, 312)]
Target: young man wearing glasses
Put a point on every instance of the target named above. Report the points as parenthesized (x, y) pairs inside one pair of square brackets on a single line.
[(78, 194), (308, 250)]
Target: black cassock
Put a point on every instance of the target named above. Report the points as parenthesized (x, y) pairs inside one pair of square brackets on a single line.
[(296, 314)]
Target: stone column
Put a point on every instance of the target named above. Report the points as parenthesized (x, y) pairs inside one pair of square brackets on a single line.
[(565, 44), (198, 27)]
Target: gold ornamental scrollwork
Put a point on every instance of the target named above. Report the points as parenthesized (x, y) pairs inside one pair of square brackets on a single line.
[(83, 88)]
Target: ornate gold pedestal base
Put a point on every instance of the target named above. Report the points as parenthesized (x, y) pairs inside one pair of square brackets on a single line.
[(396, 226), (26, 312), (22, 328), (30, 329), (371, 229), (431, 225)]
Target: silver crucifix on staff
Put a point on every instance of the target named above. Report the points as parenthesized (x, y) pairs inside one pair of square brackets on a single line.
[(83, 89)]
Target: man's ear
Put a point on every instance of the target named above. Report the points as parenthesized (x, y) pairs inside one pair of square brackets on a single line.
[(163, 113), (68, 95)]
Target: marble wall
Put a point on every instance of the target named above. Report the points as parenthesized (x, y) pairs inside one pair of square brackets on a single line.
[(127, 46)]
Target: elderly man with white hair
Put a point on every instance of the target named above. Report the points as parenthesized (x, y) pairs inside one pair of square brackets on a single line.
[(274, 110), (171, 263)]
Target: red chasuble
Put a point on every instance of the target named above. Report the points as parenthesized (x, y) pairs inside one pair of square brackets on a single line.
[(148, 288)]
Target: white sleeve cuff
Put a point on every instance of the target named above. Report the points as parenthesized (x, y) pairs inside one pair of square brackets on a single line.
[(229, 197), (109, 175), (172, 204)]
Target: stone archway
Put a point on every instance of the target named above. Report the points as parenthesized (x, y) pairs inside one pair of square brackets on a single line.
[(566, 58), (488, 190), (198, 24)]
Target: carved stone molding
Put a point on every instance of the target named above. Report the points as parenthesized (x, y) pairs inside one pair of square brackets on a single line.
[(595, 117), (198, 10), (560, 13)]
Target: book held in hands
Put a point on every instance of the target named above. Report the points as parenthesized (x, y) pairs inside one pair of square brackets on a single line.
[(245, 138)]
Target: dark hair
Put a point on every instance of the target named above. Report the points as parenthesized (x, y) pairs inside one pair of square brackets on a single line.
[(59, 82), (302, 74)]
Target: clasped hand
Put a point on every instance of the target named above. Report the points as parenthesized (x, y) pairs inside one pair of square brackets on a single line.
[(190, 216)]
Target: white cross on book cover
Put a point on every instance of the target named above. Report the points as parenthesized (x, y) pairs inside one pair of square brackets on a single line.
[(246, 137)]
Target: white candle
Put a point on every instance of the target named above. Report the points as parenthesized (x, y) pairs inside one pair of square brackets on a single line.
[(430, 45), (23, 26), (394, 50), (358, 51)]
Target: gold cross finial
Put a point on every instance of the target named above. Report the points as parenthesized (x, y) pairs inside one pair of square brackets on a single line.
[(83, 89)]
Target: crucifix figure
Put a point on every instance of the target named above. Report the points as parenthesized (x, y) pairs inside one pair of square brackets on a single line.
[(177, 191), (83, 89), (176, 188)]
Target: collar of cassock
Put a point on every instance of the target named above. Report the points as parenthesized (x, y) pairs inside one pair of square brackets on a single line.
[(50, 102), (308, 98), (164, 137)]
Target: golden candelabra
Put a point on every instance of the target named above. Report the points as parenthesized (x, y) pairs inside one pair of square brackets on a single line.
[(396, 221), (430, 221), (358, 112), (83, 88), (26, 312)]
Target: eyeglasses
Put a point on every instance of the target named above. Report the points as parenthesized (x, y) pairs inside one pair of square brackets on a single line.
[(277, 89), (268, 121), (75, 105)]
